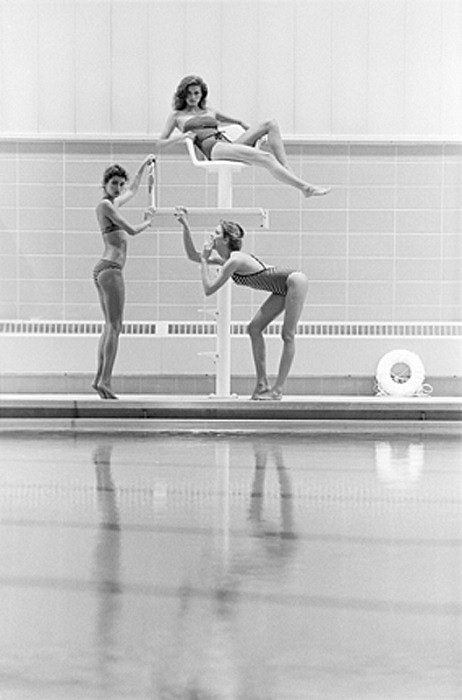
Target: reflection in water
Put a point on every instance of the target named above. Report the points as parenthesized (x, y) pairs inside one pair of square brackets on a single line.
[(282, 530), (399, 464), (107, 565), (184, 563), (207, 660)]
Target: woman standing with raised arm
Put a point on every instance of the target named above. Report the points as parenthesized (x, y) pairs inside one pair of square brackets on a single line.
[(108, 272), (196, 121), (287, 287)]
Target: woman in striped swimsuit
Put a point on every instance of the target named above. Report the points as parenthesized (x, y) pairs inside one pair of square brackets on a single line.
[(287, 288), (107, 273), (203, 125)]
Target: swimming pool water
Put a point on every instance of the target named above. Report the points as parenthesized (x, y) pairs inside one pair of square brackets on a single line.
[(231, 567)]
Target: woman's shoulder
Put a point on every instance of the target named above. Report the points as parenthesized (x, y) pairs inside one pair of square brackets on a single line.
[(247, 263), (173, 118), (240, 258), (104, 205)]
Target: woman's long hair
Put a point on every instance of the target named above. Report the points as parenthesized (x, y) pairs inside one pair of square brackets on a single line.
[(179, 98)]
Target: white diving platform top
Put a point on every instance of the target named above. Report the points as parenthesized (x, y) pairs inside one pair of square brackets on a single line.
[(208, 217)]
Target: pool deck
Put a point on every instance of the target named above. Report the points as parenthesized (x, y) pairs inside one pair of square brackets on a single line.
[(145, 413)]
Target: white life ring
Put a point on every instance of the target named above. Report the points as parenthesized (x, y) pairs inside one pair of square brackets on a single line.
[(394, 385)]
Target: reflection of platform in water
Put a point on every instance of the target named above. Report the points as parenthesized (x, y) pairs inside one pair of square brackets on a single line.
[(140, 412)]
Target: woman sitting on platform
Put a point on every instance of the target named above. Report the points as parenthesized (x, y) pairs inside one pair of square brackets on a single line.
[(202, 125), (287, 287)]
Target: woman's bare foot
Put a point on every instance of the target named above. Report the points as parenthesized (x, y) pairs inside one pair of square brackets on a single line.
[(312, 191), (269, 395), (103, 392), (98, 390), (259, 389)]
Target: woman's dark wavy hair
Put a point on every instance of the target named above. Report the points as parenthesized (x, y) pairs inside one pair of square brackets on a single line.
[(114, 171), (179, 98), (234, 233)]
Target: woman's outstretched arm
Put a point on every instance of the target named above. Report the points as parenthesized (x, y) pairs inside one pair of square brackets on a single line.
[(230, 120), (134, 184), (112, 213), (181, 214), (166, 139)]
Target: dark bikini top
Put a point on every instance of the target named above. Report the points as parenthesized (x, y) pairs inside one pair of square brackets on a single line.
[(205, 121), (106, 224)]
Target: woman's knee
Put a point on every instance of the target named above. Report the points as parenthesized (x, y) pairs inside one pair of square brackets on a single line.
[(254, 329), (270, 125), (288, 335), (297, 283), (115, 325), (264, 158)]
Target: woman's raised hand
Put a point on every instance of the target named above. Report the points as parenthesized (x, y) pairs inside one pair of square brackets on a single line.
[(181, 214), (207, 250), (149, 160)]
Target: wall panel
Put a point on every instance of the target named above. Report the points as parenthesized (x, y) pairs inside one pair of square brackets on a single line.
[(275, 93), (321, 67), (19, 68), (93, 75), (202, 44), (451, 78), (56, 63), (386, 67), (312, 68), (239, 50), (423, 49), (129, 67), (349, 66), (166, 59)]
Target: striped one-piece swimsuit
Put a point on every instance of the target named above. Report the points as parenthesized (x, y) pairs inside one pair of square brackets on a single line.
[(268, 279)]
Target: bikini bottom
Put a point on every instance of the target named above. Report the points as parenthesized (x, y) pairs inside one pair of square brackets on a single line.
[(103, 265)]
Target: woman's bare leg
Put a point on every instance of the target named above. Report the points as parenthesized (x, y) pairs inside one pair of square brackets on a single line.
[(297, 287), (270, 129), (99, 367), (253, 156), (112, 296), (269, 310)]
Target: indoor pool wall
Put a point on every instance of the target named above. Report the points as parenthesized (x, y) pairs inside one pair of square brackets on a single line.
[(382, 253)]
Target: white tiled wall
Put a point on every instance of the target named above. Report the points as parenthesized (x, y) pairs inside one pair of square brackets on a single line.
[(384, 245)]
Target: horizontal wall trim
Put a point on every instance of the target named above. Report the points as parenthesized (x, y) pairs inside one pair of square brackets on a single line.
[(199, 329), (288, 138)]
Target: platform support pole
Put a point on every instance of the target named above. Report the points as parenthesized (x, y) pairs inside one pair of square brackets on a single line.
[(223, 355)]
